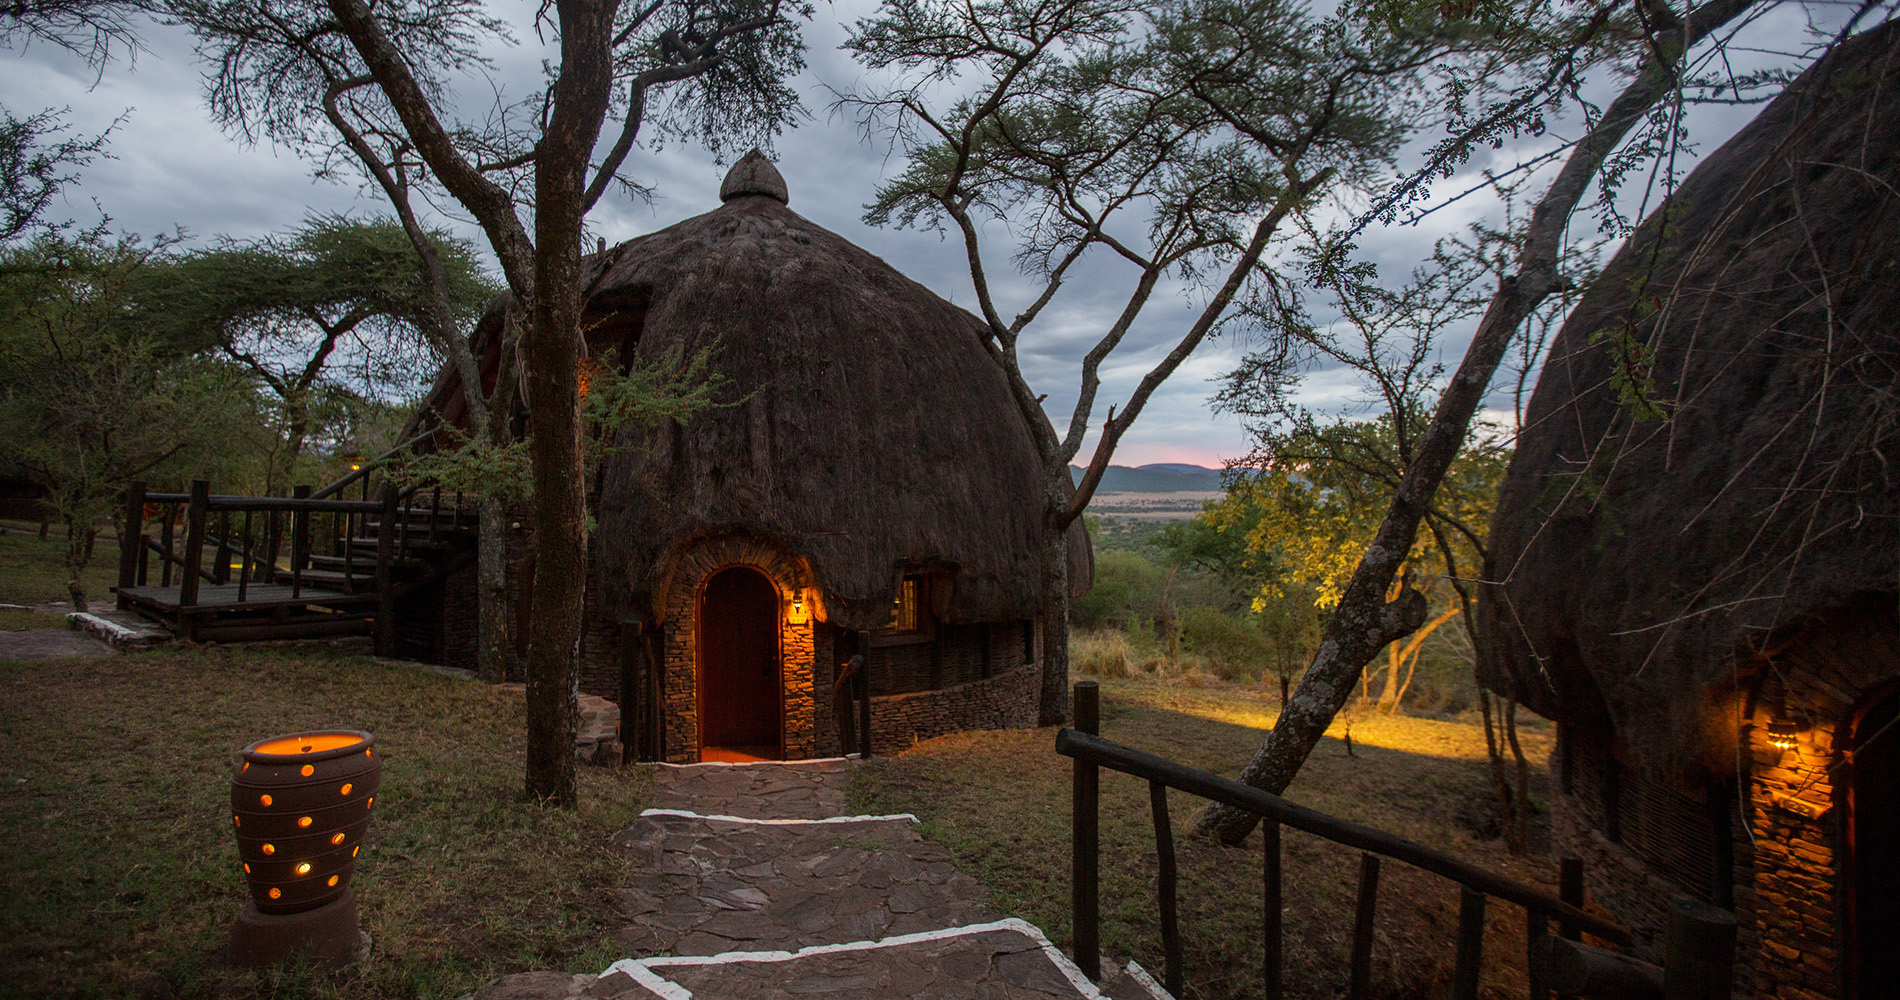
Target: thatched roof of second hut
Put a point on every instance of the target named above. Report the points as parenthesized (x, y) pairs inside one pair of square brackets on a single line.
[(1637, 557), (867, 430)]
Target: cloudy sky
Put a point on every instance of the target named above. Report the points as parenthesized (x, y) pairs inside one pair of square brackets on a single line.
[(172, 168)]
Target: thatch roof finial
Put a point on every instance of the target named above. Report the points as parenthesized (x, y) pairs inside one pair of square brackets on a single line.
[(754, 174)]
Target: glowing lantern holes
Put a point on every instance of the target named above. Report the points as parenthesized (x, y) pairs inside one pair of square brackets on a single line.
[(303, 867), (263, 800), (346, 788), (336, 838), (270, 849), (303, 821)]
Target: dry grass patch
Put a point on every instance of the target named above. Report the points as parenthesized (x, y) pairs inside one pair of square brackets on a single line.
[(1001, 801), (121, 877), (33, 569)]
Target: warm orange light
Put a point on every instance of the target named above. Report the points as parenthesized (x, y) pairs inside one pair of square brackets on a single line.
[(336, 838), (236, 821), (308, 770), (1783, 735), (309, 744), (366, 753), (246, 767), (270, 849), (303, 821), (369, 802), (332, 881), (247, 869), (275, 892), (346, 788), (353, 850), (303, 867), (263, 800)]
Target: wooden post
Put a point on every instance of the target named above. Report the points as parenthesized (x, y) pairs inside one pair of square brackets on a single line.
[(1272, 936), (864, 695), (131, 537), (656, 676), (385, 585), (299, 540), (221, 573), (1165, 887), (1698, 952), (632, 643), (1359, 981), (194, 547), (1085, 840), (1536, 929), (165, 531), (1570, 890), (1464, 977)]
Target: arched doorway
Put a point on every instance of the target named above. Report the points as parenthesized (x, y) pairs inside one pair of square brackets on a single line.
[(741, 698), (1873, 832)]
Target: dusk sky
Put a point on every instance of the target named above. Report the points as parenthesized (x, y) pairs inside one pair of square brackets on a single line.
[(172, 167)]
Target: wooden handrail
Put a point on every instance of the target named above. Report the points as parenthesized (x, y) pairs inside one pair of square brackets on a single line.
[(370, 466), (1128, 760), (228, 501)]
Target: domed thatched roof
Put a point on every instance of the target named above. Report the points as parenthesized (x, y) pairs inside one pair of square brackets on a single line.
[(866, 430), (1637, 558)]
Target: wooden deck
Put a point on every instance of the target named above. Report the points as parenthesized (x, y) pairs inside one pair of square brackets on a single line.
[(214, 598)]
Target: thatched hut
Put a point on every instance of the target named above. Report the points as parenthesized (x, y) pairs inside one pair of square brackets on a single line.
[(866, 485), (1694, 559)]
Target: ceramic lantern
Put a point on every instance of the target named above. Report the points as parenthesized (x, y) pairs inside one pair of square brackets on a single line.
[(299, 807)]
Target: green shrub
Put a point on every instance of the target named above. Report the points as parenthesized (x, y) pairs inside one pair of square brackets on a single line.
[(1234, 648)]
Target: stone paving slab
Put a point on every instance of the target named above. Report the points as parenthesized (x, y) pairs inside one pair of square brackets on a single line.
[(701, 887), (1001, 960), (794, 790), (47, 643)]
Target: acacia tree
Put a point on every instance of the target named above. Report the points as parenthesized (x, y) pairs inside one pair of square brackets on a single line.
[(371, 87), (336, 304), (89, 403), (1657, 43), (1177, 139)]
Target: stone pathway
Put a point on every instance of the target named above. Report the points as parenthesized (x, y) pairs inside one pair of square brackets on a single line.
[(749, 882)]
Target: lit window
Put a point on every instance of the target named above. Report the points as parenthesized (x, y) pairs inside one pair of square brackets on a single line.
[(904, 612)]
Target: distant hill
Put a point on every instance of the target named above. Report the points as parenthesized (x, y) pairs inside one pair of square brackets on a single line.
[(1164, 477)]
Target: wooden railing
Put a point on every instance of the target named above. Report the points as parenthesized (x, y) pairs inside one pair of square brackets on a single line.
[(1699, 941), (248, 537)]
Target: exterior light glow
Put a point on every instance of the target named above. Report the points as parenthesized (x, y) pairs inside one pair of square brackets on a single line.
[(346, 788), (1783, 735), (303, 867), (303, 821), (263, 800), (268, 849), (336, 838)]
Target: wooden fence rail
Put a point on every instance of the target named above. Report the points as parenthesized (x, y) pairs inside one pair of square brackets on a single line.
[(1702, 935)]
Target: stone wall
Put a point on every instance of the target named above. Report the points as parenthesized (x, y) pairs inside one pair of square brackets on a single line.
[(1006, 701), (949, 655)]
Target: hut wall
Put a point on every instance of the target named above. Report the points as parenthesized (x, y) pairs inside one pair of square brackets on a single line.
[(1008, 700), (797, 645), (952, 655)]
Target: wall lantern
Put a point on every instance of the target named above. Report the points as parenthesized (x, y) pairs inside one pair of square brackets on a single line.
[(299, 807), (1782, 734), (800, 612), (354, 461)]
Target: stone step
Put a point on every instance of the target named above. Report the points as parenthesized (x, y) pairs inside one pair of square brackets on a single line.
[(122, 629)]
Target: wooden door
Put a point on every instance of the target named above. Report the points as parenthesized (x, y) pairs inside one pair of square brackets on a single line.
[(1873, 824), (741, 700)]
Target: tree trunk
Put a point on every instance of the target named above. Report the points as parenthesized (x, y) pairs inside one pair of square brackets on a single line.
[(78, 546), (581, 96), (1055, 628), (491, 655)]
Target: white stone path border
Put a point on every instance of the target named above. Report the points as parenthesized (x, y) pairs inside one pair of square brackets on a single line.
[(642, 969), (686, 814)]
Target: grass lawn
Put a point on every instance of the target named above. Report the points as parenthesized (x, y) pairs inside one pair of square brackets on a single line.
[(1001, 801), (120, 876), (32, 570)]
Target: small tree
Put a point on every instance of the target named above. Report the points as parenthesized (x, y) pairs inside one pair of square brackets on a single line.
[(1176, 139), (1660, 39), (87, 408)]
